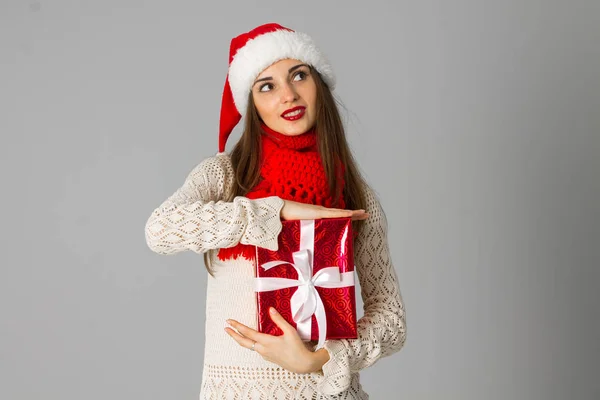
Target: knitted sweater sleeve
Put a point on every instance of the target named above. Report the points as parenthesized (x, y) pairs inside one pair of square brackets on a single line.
[(197, 218), (382, 329)]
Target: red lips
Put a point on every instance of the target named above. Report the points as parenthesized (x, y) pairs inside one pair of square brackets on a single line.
[(294, 117)]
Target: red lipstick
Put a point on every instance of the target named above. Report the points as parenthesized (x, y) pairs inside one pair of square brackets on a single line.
[(301, 110)]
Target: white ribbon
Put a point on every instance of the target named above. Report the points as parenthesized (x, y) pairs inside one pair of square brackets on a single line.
[(306, 300)]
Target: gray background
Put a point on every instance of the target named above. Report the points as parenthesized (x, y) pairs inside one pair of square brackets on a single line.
[(478, 122)]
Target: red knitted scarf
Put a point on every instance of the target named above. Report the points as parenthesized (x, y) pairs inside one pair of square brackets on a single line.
[(291, 168)]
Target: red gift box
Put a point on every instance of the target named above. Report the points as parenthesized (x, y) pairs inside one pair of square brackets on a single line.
[(309, 280)]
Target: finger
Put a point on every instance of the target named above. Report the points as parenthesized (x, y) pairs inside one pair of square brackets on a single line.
[(241, 340), (360, 217), (338, 212), (354, 214), (341, 210), (246, 331), (359, 212), (281, 322)]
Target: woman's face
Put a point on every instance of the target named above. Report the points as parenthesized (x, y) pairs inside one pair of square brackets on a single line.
[(285, 86)]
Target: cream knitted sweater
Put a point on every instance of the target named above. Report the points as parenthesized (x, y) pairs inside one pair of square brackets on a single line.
[(196, 218)]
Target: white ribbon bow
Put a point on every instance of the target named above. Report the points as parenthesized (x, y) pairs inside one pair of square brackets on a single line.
[(306, 300)]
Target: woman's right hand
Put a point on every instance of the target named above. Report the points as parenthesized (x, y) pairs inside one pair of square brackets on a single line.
[(293, 210)]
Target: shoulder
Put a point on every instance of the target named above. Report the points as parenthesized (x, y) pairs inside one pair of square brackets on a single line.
[(219, 164)]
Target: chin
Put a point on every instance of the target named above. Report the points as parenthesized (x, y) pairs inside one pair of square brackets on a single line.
[(295, 130)]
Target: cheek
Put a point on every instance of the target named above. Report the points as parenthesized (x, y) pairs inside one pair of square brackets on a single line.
[(266, 108), (260, 108), (311, 96), (271, 109), (313, 105)]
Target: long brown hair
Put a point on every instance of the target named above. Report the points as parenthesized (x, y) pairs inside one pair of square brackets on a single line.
[(331, 142)]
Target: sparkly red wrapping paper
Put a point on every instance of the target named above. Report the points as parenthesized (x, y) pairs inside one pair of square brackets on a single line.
[(332, 247)]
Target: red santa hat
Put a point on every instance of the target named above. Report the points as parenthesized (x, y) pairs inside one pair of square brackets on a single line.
[(249, 54)]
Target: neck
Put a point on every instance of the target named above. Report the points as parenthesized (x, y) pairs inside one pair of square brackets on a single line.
[(302, 141)]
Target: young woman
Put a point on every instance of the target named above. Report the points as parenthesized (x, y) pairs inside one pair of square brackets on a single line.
[(292, 162)]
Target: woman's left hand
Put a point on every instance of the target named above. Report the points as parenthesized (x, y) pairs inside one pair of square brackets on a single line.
[(287, 350)]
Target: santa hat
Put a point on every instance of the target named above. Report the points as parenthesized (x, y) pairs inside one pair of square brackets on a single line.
[(249, 54)]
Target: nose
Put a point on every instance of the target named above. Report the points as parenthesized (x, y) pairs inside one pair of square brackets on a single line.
[(288, 93)]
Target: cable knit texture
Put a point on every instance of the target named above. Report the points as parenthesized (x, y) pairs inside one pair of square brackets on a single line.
[(291, 168), (196, 218)]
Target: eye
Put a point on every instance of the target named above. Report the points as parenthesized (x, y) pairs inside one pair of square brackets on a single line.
[(302, 74), (264, 86)]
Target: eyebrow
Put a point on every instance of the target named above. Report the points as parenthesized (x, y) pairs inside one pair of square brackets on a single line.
[(268, 78)]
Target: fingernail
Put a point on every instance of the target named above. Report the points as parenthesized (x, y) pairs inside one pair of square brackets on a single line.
[(273, 311)]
